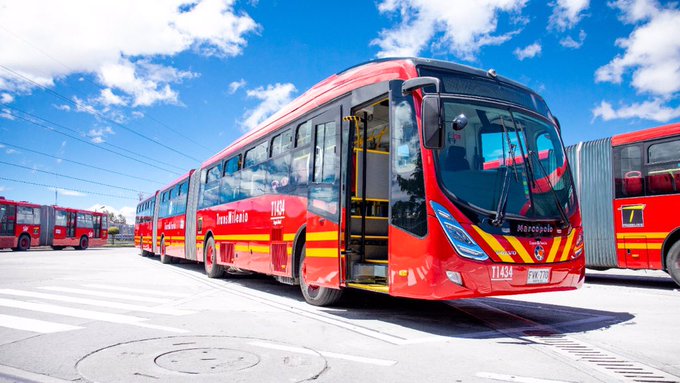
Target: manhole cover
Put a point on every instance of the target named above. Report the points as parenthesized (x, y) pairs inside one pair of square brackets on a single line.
[(207, 360), (201, 359)]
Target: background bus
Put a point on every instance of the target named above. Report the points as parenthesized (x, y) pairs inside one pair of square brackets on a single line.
[(25, 225), (67, 227), (629, 187), (19, 225), (358, 184)]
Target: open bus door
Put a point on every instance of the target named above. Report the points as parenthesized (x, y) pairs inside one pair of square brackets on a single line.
[(321, 266)]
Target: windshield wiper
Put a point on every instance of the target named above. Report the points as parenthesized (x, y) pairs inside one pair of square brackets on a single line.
[(505, 190), (565, 220)]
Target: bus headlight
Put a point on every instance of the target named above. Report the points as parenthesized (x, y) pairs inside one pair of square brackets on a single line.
[(578, 247), (459, 238)]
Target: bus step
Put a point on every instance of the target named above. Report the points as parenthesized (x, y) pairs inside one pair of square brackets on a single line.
[(369, 272)]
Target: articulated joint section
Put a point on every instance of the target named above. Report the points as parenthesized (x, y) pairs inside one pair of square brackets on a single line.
[(459, 238)]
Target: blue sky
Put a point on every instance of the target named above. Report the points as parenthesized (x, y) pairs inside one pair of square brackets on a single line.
[(80, 80)]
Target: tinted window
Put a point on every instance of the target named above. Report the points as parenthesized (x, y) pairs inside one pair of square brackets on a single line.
[(60, 218), (282, 143), (304, 134), (256, 155), (662, 173), (214, 173), (408, 188), (27, 216), (664, 151)]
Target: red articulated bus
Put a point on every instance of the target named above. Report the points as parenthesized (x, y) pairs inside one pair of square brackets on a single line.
[(380, 178), (629, 186), (80, 229), (19, 225), (25, 225), (145, 226)]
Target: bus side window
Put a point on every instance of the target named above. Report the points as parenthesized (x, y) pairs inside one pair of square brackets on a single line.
[(662, 171), (229, 185), (299, 167), (628, 171)]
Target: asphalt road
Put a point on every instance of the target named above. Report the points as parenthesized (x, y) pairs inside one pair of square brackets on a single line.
[(110, 315)]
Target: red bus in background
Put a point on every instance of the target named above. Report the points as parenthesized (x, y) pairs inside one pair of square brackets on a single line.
[(19, 225), (629, 187), (145, 226), (375, 179), (75, 228)]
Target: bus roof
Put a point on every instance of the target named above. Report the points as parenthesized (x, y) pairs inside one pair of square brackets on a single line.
[(18, 203), (176, 181), (321, 93), (647, 134), (74, 210)]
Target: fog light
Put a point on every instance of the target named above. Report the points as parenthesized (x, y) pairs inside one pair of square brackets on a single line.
[(455, 277)]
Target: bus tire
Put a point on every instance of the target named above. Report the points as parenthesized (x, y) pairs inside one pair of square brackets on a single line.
[(212, 269), (165, 259), (315, 295), (673, 262), (24, 242), (83, 244), (57, 247)]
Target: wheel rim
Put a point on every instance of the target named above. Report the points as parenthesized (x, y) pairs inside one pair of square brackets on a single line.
[(24, 242), (312, 291), (208, 258), (83, 243)]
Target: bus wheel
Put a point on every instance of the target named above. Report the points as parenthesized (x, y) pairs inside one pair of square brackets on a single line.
[(164, 257), (57, 247), (673, 262), (315, 295), (84, 243), (24, 243), (212, 269)]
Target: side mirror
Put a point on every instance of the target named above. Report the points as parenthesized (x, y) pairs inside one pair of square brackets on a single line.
[(432, 129), (419, 82), (557, 122)]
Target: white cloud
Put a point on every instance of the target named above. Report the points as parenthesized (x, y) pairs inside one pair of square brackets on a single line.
[(236, 85), (64, 107), (567, 13), (87, 37), (652, 51), (633, 11), (11, 151), (6, 114), (569, 42), (530, 51), (68, 192), (6, 98), (654, 110), (107, 98), (2, 188), (273, 98), (98, 136), (461, 29)]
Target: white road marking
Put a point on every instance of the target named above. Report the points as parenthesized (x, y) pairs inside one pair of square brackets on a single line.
[(34, 325), (84, 314), (105, 294), (334, 355), (137, 291), (96, 302), (27, 376), (515, 378)]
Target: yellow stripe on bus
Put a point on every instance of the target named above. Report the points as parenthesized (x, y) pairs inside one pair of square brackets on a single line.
[(260, 249), (553, 250), (243, 237), (322, 236), (638, 235), (640, 246), (567, 246), (322, 253), (519, 248), (241, 248), (495, 245), (289, 237)]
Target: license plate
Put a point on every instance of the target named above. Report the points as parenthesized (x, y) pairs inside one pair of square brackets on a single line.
[(538, 276)]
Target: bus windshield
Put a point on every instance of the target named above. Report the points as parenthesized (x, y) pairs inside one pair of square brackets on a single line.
[(504, 148)]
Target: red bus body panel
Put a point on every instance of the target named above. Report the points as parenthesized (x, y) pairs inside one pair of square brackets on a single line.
[(10, 241)]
